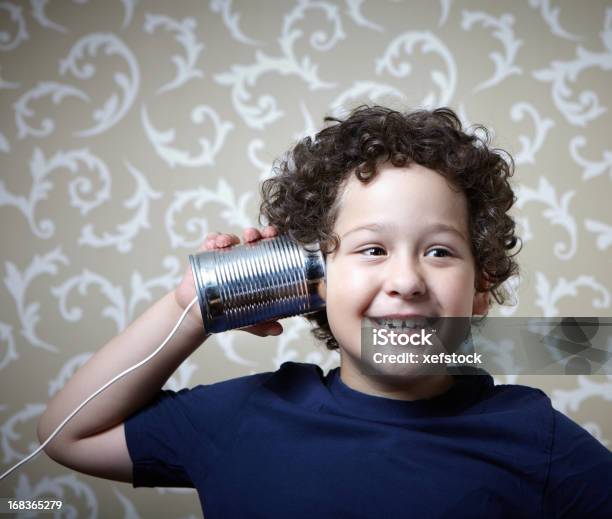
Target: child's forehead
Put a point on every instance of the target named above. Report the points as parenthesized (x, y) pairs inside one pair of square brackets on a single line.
[(408, 191), (391, 228)]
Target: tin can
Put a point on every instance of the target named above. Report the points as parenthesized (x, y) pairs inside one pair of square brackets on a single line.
[(250, 283)]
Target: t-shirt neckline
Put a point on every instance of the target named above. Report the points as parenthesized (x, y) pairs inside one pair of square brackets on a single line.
[(466, 390)]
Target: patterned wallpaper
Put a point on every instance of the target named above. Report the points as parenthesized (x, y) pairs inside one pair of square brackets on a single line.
[(132, 128)]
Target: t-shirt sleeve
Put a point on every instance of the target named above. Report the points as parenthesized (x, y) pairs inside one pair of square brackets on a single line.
[(155, 436), (580, 473), (175, 439)]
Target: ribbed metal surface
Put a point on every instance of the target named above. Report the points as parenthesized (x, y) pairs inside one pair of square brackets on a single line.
[(270, 279)]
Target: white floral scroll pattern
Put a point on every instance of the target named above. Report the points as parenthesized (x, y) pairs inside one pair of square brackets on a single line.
[(9, 434), (57, 92), (551, 17), (17, 284), (21, 33), (567, 401), (185, 35), (9, 351), (364, 90), (542, 125), (68, 488), (232, 21), (504, 64), (309, 129), (557, 213), (234, 212), (129, 509), (549, 296), (354, 11), (115, 107), (559, 73), (39, 14), (161, 140), (264, 168), (445, 6), (603, 231), (120, 310), (239, 77), (128, 231), (227, 343), (430, 43), (591, 169), (41, 168)]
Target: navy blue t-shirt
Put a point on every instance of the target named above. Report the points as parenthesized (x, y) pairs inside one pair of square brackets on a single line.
[(297, 444)]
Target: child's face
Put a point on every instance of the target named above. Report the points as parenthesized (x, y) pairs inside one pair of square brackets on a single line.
[(408, 266)]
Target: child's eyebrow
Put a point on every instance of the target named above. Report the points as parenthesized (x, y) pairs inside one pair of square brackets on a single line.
[(432, 228)]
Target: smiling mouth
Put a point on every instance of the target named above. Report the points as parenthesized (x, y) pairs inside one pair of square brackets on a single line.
[(403, 324)]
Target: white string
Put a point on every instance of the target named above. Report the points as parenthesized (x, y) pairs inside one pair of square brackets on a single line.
[(96, 393)]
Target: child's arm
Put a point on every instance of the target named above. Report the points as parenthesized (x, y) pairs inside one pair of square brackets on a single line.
[(93, 441)]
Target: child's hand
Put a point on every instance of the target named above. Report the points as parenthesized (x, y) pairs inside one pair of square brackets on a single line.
[(185, 292)]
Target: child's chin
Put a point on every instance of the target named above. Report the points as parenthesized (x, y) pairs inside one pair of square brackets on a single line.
[(400, 372)]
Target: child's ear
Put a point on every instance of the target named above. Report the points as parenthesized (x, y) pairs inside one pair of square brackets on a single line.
[(480, 305)]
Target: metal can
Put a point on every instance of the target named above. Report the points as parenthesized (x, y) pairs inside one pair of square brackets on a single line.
[(250, 283)]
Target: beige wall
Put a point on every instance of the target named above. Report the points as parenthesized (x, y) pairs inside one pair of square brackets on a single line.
[(130, 129)]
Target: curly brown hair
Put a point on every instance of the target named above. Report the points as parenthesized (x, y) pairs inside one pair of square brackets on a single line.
[(301, 198)]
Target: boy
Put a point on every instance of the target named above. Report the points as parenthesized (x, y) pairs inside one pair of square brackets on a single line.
[(411, 213)]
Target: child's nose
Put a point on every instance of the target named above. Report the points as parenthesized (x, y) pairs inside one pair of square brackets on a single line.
[(405, 278)]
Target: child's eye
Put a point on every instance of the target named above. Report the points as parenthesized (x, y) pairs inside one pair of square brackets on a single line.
[(446, 252), (371, 248)]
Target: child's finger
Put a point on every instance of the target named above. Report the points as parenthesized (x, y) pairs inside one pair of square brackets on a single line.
[(216, 240), (251, 234), (207, 244), (269, 231), (226, 240), (264, 329), (275, 328)]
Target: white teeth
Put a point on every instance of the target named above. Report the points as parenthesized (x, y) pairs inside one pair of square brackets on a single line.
[(402, 323)]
